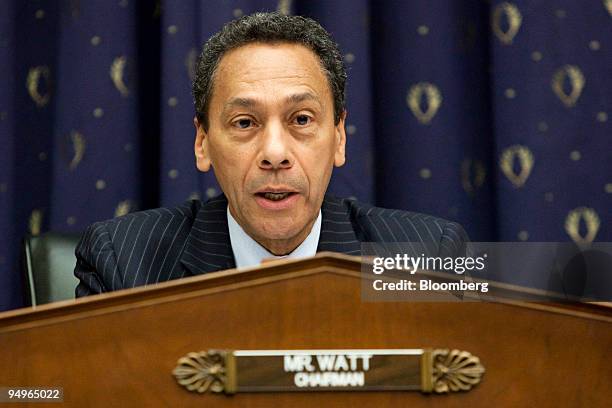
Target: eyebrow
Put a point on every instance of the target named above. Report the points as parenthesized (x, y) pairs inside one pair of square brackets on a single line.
[(240, 102), (250, 102), (301, 97)]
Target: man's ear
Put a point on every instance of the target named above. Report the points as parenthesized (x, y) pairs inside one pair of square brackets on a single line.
[(202, 152), (339, 156)]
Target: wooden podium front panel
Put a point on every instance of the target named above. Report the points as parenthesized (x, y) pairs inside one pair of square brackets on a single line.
[(124, 354)]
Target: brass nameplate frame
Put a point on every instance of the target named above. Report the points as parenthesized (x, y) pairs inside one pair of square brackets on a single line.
[(426, 370)]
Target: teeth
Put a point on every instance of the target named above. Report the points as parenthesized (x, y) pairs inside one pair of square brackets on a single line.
[(275, 196)]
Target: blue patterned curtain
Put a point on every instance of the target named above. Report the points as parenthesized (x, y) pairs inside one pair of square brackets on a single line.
[(494, 114)]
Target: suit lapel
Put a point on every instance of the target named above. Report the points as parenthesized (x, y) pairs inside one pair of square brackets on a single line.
[(337, 232), (208, 246)]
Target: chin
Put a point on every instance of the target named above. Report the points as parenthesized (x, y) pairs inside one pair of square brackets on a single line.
[(279, 229)]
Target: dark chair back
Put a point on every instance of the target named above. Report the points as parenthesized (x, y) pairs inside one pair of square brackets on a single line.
[(48, 262)]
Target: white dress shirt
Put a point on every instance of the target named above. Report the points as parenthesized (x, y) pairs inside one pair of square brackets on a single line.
[(248, 252)]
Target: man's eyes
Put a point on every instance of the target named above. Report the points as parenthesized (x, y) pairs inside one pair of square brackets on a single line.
[(247, 123), (303, 120), (243, 123)]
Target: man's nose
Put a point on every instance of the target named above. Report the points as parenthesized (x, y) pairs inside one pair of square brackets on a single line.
[(275, 151)]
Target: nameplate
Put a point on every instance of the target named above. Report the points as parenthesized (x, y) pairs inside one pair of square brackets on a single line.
[(426, 370)]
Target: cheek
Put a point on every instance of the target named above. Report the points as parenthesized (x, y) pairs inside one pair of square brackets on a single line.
[(317, 162), (231, 165), (327, 149)]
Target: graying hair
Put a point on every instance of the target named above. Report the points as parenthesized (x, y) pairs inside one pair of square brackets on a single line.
[(268, 28)]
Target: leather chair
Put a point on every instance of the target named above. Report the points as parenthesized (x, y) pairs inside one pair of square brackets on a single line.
[(48, 263)]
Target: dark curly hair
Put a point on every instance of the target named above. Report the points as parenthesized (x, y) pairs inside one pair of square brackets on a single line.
[(268, 28)]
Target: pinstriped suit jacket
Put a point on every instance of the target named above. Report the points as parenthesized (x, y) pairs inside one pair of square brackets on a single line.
[(170, 243)]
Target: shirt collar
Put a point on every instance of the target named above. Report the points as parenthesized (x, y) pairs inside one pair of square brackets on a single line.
[(248, 252)]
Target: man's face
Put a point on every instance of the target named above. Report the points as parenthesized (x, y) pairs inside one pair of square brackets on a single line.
[(271, 140)]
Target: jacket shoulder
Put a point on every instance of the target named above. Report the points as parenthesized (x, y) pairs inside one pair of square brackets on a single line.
[(186, 210), (390, 225), (134, 249)]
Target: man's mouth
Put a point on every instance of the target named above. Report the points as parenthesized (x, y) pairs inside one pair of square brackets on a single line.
[(275, 196)]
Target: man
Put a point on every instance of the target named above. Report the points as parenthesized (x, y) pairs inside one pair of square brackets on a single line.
[(269, 97)]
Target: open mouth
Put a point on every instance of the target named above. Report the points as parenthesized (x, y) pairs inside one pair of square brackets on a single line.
[(275, 196)]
